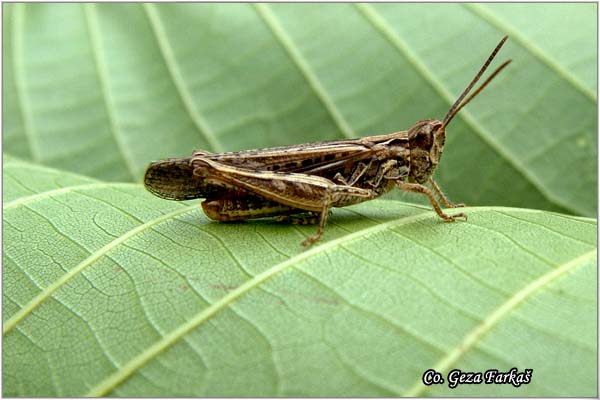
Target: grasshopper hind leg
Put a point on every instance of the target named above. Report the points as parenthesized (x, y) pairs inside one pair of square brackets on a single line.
[(323, 215), (301, 218), (322, 219), (238, 206), (308, 218), (247, 207)]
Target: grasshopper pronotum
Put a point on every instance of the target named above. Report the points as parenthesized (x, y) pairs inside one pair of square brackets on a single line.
[(301, 183)]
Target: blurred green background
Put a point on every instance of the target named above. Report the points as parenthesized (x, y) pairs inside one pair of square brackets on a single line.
[(103, 89)]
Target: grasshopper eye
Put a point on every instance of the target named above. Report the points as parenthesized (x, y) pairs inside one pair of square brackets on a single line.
[(421, 137)]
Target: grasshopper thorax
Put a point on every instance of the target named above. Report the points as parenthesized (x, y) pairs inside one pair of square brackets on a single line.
[(426, 143)]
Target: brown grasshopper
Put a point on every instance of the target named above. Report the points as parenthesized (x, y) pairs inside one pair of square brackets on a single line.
[(301, 183)]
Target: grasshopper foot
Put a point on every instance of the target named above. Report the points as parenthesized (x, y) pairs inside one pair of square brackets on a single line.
[(311, 240), (323, 217), (452, 218)]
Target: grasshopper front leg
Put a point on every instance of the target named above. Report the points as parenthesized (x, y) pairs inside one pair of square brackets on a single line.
[(418, 188), (443, 198), (298, 191)]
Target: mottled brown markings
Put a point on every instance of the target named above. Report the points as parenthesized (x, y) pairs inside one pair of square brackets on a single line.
[(290, 181)]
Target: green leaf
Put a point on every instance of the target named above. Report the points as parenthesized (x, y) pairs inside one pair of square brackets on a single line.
[(108, 290), (102, 89)]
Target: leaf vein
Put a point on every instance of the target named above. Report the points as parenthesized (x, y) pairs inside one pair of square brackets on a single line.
[(22, 201), (431, 293), (92, 258), (536, 51), (383, 27), (18, 48), (103, 77), (371, 381), (168, 56), (545, 228), (224, 246), (472, 338), (170, 339), (374, 315), (452, 263), (309, 75), (138, 297)]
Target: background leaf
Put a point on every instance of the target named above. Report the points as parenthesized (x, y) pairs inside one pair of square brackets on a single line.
[(109, 290), (102, 89)]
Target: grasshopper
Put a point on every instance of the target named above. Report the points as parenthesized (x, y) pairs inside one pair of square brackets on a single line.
[(301, 183)]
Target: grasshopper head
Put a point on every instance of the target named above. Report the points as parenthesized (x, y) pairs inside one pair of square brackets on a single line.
[(426, 142), (426, 138)]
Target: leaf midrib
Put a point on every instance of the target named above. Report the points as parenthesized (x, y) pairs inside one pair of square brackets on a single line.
[(112, 381), (170, 339), (36, 301), (173, 337)]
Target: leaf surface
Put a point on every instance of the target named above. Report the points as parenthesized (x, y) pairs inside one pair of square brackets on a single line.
[(102, 89), (108, 290)]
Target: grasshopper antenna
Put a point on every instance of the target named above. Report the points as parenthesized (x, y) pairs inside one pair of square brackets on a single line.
[(457, 106)]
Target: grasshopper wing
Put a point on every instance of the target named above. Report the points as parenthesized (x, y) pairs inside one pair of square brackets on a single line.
[(173, 179)]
